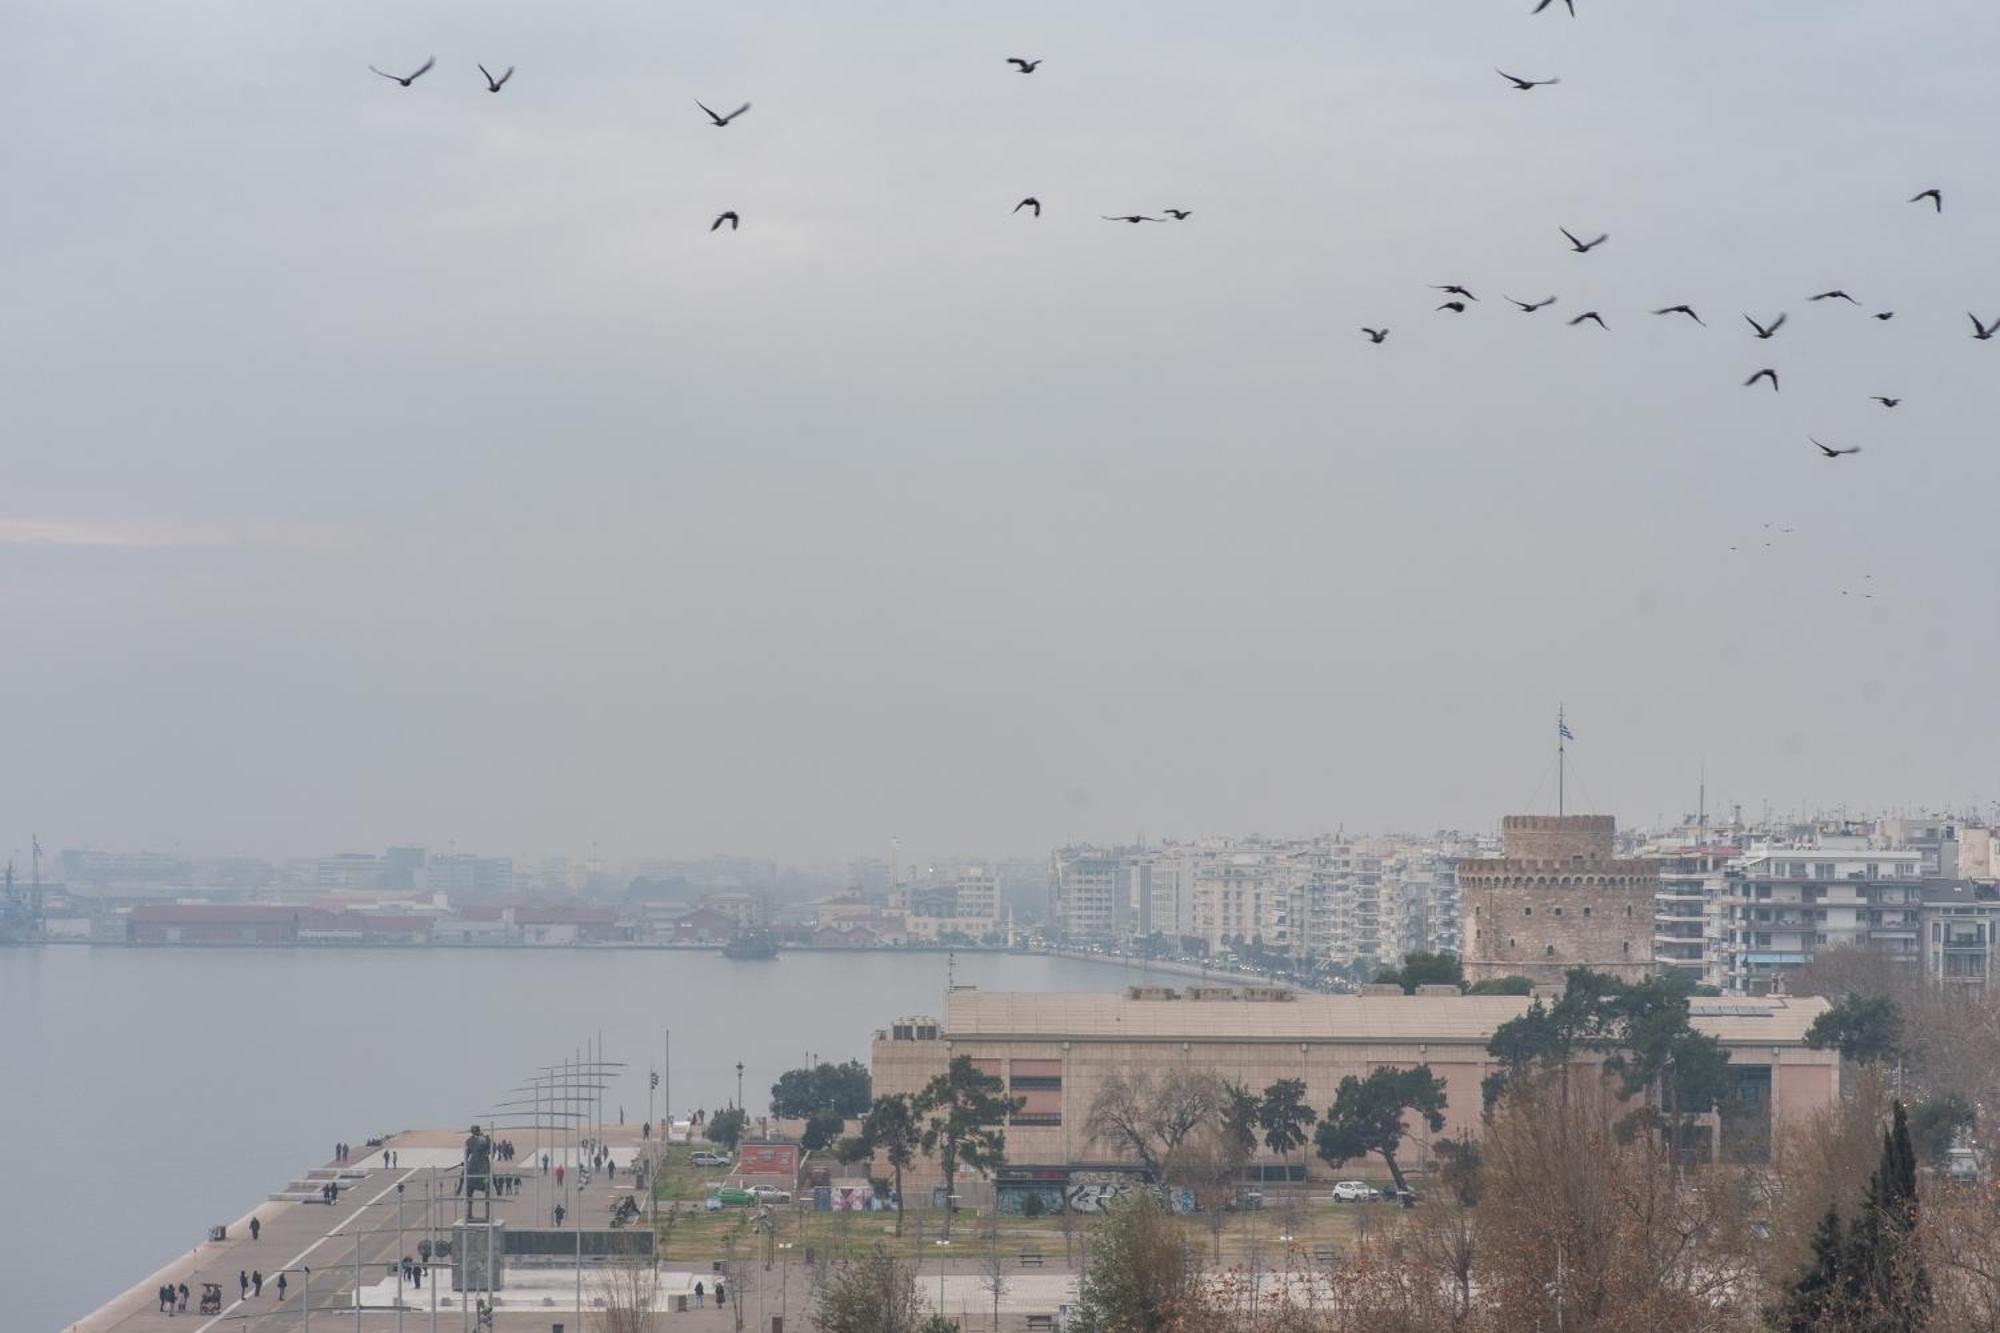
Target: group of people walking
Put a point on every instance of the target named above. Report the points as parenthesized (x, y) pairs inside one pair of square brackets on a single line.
[(249, 1284)]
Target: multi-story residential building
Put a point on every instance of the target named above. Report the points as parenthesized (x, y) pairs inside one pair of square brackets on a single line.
[(1960, 924), (465, 873), (1783, 904), (1088, 894), (1687, 909), (968, 905), (348, 870)]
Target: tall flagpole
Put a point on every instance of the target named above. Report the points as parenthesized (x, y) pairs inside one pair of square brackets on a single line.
[(1562, 733)]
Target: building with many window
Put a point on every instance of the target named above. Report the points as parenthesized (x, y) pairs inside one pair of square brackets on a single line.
[(1781, 905)]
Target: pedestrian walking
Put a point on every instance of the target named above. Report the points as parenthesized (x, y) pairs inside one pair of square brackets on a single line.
[(242, 1284), (697, 1294), (160, 1295), (256, 1282), (281, 1286), (256, 1228), (721, 1295), (184, 1298)]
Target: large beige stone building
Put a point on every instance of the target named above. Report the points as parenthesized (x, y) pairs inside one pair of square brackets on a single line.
[(1054, 1050), (1557, 897)]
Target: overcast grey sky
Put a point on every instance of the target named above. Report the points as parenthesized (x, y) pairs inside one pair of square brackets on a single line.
[(387, 464)]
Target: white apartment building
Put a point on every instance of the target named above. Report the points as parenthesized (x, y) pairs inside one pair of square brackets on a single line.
[(1783, 904), (1688, 922), (1089, 894)]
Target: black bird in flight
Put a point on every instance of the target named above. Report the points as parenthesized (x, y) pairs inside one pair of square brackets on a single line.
[(1589, 314), (1887, 402), (1375, 335), (1766, 374), (1456, 307), (1128, 217), (1030, 202), (407, 79), (1935, 196), (1983, 332), (1452, 289), (494, 85), (1835, 294), (1530, 307), (1762, 331), (1831, 452), (729, 217), (1024, 66), (1583, 247), (1178, 214), (1570, 5), (1884, 315), (1525, 85), (1687, 310), (723, 121)]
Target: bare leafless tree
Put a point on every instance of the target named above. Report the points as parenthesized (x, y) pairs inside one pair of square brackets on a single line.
[(1149, 1113)]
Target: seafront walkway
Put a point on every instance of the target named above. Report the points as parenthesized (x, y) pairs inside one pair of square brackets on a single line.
[(328, 1252)]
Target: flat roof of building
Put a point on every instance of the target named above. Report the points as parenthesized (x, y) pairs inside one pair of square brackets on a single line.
[(1116, 1015)]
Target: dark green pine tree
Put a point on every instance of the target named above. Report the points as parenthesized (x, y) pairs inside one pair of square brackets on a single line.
[(1885, 1283), (1813, 1304)]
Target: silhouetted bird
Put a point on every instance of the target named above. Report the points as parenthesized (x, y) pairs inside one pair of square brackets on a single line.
[(1762, 331), (1983, 332), (1128, 217), (1530, 307), (1452, 289), (407, 79), (729, 217), (1456, 307), (1835, 294), (1887, 402), (1687, 310), (1570, 5), (1935, 196), (1375, 335), (1024, 66), (1583, 247), (1589, 314), (722, 121), (1525, 85), (1765, 374), (1030, 202), (1178, 214), (1884, 315), (1831, 452), (494, 85)]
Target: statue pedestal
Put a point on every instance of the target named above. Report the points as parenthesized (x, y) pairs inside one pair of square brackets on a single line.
[(480, 1252)]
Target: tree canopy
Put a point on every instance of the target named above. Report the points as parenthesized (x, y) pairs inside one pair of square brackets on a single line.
[(890, 1129), (1424, 969), (1150, 1113), (842, 1088), (1864, 1028), (1367, 1115), (963, 1109), (726, 1127)]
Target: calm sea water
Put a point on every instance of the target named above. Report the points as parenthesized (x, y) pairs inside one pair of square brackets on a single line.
[(151, 1093)]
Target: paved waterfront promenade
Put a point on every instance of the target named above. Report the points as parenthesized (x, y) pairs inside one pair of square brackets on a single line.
[(373, 1223)]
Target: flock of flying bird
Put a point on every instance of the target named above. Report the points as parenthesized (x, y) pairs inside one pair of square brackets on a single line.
[(1457, 295)]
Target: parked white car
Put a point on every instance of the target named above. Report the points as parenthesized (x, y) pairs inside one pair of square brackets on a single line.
[(1352, 1191), (771, 1194), (708, 1159)]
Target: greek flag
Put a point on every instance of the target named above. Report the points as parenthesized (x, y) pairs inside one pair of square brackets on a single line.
[(1562, 730)]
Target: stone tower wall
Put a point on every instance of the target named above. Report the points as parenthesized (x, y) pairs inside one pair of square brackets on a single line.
[(1559, 899)]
